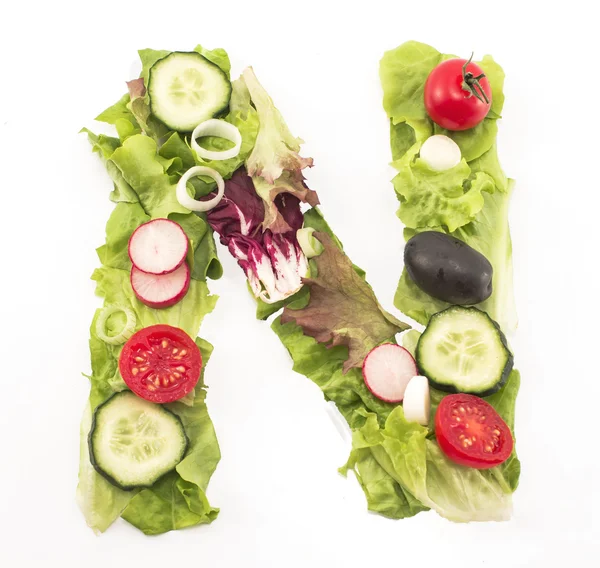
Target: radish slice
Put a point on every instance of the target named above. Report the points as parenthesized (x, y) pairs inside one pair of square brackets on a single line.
[(158, 247), (160, 290), (221, 129), (416, 400), (387, 369), (188, 202)]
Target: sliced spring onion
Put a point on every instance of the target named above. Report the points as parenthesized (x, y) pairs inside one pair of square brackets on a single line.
[(221, 129), (308, 243), (124, 334), (192, 204)]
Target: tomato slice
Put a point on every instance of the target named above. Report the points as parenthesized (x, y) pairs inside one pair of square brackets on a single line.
[(160, 363), (470, 432)]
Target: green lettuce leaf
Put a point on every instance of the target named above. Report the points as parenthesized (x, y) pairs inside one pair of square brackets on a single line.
[(384, 494), (137, 161), (171, 504), (403, 72), (113, 284), (119, 111), (408, 454), (123, 221), (218, 56), (148, 58), (429, 198), (100, 501), (276, 149), (342, 309)]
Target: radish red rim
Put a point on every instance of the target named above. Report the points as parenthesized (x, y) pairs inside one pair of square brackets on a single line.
[(385, 381), (160, 290), (158, 246)]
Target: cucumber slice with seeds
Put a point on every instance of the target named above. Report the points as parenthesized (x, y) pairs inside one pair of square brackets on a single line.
[(464, 350), (134, 442), (186, 89)]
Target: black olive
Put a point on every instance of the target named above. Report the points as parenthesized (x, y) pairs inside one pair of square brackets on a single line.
[(448, 269)]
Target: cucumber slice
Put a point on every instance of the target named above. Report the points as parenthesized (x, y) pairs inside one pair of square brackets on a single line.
[(464, 350), (186, 89), (134, 442)]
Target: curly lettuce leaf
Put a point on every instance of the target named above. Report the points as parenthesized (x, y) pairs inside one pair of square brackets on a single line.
[(137, 161), (430, 198), (218, 56), (403, 72), (274, 163), (343, 309), (276, 148), (490, 164)]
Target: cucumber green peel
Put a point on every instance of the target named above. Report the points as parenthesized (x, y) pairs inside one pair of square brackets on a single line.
[(133, 442), (464, 350)]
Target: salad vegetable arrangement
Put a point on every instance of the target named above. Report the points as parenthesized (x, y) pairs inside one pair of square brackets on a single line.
[(449, 452), (148, 446), (197, 153), (457, 282)]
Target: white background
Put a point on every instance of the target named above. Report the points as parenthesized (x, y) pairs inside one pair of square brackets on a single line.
[(282, 502)]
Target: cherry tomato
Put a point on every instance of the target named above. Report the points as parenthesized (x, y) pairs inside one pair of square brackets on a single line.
[(160, 363), (458, 95), (470, 432)]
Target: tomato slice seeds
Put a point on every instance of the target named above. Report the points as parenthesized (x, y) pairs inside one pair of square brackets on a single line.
[(160, 363), (470, 432)]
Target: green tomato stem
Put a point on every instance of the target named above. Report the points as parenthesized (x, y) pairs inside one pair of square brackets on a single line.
[(471, 83)]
